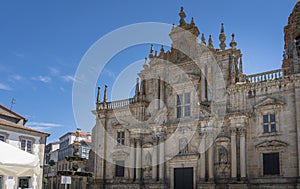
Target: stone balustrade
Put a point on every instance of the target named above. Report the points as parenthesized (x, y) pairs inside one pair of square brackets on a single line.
[(116, 104), (265, 76)]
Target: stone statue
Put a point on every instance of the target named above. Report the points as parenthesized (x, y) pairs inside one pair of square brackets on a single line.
[(148, 159), (223, 155), (183, 146)]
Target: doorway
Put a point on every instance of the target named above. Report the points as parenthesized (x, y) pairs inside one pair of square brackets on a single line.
[(183, 178)]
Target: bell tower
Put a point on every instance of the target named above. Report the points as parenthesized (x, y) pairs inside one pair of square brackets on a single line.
[(291, 57)]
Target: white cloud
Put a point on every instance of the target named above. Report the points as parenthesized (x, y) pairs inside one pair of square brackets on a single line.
[(19, 54), (42, 126), (44, 79), (109, 73), (54, 71), (16, 77), (68, 78), (5, 87)]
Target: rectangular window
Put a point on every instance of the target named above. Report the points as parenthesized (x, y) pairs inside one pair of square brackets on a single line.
[(26, 145), (23, 145), (29, 146), (269, 123), (2, 138), (24, 182), (271, 164), (119, 168), (121, 137), (187, 111), (183, 105)]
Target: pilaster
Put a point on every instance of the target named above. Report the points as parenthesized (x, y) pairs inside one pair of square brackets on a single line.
[(233, 153)]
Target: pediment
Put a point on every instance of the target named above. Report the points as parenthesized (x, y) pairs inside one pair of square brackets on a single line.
[(221, 139), (273, 145), (269, 102)]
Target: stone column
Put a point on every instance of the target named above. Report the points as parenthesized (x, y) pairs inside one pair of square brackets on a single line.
[(243, 152), (233, 153), (161, 159), (138, 159), (202, 156), (211, 162), (132, 159), (162, 97), (154, 161)]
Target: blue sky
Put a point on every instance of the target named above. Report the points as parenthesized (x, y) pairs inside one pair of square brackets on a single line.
[(42, 43)]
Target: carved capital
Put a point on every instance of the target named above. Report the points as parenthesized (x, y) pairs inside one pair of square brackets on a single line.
[(242, 131), (139, 142), (233, 131), (132, 142)]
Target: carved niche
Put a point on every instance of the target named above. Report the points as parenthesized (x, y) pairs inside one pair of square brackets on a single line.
[(147, 161), (222, 157)]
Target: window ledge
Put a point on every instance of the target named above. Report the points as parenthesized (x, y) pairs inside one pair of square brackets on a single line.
[(119, 146), (272, 176), (270, 134)]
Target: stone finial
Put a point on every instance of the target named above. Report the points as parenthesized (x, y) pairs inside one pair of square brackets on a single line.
[(233, 43), (210, 42), (203, 40), (151, 51), (241, 64), (162, 52), (222, 37), (182, 17), (192, 21), (145, 65), (162, 49), (105, 94), (98, 95), (222, 28), (137, 87)]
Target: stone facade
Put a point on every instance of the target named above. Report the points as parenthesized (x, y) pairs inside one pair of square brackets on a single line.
[(195, 110)]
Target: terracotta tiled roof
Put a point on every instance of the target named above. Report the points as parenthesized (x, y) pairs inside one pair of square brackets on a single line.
[(9, 113), (18, 126)]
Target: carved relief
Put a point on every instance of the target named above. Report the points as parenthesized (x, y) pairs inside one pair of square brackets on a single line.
[(120, 154)]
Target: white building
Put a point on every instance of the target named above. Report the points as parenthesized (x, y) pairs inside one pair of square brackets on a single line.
[(14, 132), (57, 152)]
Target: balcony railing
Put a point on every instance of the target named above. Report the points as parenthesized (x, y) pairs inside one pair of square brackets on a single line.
[(265, 76), (116, 104)]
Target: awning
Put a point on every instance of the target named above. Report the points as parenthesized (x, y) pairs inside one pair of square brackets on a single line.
[(16, 162)]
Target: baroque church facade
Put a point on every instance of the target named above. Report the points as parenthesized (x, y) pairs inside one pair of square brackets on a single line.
[(197, 121)]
